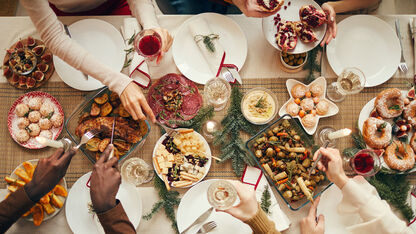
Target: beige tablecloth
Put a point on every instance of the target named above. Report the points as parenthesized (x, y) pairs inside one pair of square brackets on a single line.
[(261, 63)]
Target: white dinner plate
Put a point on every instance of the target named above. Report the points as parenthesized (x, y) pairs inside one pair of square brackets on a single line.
[(103, 41), (195, 202), (207, 152), (190, 60), (368, 43), (328, 206), (292, 14), (77, 213)]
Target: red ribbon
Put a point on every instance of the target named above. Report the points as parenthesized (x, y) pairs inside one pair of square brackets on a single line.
[(222, 65), (144, 73)]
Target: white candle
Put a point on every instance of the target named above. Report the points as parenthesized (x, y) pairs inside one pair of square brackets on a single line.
[(48, 142), (338, 134)]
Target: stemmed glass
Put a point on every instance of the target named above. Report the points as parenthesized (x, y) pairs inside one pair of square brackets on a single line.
[(148, 43), (350, 81), (136, 171), (365, 162), (321, 137), (217, 92)]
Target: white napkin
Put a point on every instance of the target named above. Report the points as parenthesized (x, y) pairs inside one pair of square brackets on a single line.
[(255, 177), (131, 26), (200, 27)]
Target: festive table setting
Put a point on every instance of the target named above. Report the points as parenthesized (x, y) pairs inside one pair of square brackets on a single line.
[(295, 85)]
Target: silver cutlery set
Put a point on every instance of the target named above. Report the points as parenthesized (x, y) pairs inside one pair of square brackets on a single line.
[(412, 25)]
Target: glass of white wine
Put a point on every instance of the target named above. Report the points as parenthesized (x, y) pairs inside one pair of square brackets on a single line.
[(350, 81), (217, 92), (136, 171)]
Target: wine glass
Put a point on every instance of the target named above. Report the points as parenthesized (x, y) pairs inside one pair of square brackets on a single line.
[(148, 43), (217, 92), (321, 137), (365, 162), (136, 171), (350, 81)]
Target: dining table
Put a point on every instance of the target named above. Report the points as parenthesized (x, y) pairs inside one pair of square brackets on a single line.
[(261, 69)]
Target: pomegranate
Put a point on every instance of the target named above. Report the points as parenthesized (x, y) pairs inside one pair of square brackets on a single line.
[(270, 5), (286, 36), (304, 32), (311, 16)]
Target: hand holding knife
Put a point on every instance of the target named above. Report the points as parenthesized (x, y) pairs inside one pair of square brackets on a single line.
[(112, 137)]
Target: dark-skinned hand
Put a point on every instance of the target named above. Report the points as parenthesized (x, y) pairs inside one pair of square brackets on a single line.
[(48, 173), (105, 181)]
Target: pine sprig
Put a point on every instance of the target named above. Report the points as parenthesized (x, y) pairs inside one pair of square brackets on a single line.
[(312, 64), (394, 189), (266, 200), (168, 201), (195, 123), (232, 146)]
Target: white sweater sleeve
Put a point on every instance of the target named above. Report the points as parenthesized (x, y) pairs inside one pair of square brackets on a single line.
[(144, 12), (362, 199), (52, 32)]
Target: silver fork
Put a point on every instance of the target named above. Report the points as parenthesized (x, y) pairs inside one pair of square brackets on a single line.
[(69, 35), (86, 137), (402, 65), (207, 227)]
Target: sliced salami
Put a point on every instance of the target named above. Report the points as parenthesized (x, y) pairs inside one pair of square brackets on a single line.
[(174, 97)]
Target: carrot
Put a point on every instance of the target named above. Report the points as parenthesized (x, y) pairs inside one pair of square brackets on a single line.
[(308, 94), (283, 181), (297, 101), (310, 187), (302, 113), (287, 186), (282, 134)]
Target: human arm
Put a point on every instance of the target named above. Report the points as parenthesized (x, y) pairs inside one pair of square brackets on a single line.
[(312, 224), (48, 173), (359, 197), (52, 32), (351, 5), (249, 211), (104, 185)]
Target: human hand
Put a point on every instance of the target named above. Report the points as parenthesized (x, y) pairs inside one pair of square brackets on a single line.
[(248, 206), (48, 173), (251, 8), (309, 225), (331, 31), (331, 164), (167, 39), (105, 181), (135, 102)]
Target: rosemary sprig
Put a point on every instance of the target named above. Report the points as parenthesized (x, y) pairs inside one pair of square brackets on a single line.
[(266, 200), (207, 40), (260, 103), (127, 63)]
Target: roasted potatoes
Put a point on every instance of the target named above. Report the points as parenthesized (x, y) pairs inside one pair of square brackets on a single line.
[(37, 214), (121, 145), (48, 208), (106, 109), (95, 110), (22, 174), (92, 144), (56, 201), (123, 112), (60, 191), (101, 100), (29, 168), (103, 144)]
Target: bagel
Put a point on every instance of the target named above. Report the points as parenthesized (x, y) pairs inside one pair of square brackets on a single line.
[(389, 103), (409, 113), (399, 156), (377, 133)]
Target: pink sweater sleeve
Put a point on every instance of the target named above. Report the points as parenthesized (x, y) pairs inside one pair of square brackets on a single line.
[(52, 32), (144, 12)]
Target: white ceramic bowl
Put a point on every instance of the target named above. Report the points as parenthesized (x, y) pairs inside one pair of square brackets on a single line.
[(293, 67), (274, 98)]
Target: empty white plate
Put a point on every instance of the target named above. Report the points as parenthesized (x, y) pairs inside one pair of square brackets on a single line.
[(368, 43), (103, 41)]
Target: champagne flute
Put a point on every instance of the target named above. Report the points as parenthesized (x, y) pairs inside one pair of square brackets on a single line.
[(350, 81), (136, 171)]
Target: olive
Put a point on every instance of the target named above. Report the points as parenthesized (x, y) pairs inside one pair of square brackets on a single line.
[(270, 133), (275, 130), (281, 154), (259, 154), (270, 152), (288, 194), (296, 137), (273, 138), (300, 61), (306, 162), (284, 54), (291, 57), (290, 63), (286, 60), (297, 55)]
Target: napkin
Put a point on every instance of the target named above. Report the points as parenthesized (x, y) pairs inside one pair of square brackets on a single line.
[(138, 69), (199, 27), (254, 176)]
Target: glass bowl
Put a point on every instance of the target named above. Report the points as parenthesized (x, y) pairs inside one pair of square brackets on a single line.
[(72, 123), (268, 91), (308, 142)]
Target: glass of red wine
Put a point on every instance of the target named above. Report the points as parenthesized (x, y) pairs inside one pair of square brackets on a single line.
[(148, 44), (366, 163)]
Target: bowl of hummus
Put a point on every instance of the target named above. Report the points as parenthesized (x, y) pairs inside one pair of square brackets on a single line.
[(259, 106)]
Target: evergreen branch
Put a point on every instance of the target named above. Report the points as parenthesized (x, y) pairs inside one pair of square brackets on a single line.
[(196, 123), (156, 207), (266, 200), (312, 64)]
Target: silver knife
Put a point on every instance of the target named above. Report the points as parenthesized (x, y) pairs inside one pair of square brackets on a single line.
[(112, 137), (69, 35), (322, 61), (200, 219)]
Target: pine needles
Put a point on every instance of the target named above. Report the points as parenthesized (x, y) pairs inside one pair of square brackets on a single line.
[(195, 123), (232, 147), (266, 200), (168, 201), (312, 64)]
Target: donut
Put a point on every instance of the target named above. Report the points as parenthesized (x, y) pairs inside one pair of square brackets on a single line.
[(292, 109), (377, 133), (307, 104), (317, 90), (389, 103), (409, 113), (298, 91), (399, 156), (413, 142), (309, 120), (322, 107)]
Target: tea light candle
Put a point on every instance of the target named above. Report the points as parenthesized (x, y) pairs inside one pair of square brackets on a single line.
[(209, 128), (48, 142), (338, 134)]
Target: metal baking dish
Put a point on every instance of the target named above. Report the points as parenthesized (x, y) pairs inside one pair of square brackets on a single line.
[(72, 123), (322, 186)]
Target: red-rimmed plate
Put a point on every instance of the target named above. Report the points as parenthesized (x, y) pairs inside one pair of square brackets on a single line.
[(12, 118)]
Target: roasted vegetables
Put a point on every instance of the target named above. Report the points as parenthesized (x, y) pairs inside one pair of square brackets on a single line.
[(47, 203)]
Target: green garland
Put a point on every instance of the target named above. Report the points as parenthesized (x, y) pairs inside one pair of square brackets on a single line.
[(229, 140), (196, 122), (312, 64), (168, 201), (266, 200)]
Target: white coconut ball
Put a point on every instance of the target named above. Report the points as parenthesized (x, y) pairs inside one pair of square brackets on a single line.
[(22, 109), (34, 129), (45, 124), (46, 109), (22, 122), (34, 116), (57, 120), (22, 135), (35, 103)]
